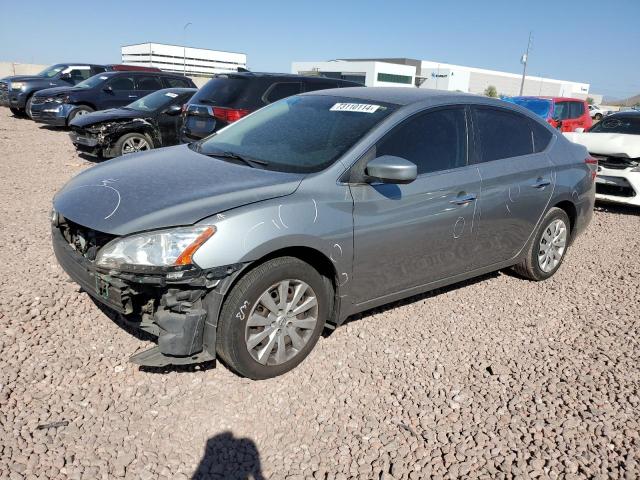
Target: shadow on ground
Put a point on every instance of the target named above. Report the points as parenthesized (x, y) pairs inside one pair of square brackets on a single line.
[(227, 457), (620, 209)]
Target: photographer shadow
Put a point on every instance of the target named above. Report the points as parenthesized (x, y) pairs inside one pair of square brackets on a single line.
[(228, 457)]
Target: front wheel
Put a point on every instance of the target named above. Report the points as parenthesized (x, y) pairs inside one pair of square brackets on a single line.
[(548, 247), (16, 111), (273, 317), (133, 143)]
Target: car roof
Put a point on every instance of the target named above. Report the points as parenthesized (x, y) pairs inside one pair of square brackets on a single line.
[(272, 75), (112, 73), (397, 95)]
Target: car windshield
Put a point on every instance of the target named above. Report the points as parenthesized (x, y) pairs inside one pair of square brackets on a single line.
[(154, 101), (300, 134), (92, 81), (539, 106), (618, 124), (51, 71)]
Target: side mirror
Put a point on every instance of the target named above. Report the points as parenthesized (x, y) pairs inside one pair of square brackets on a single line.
[(390, 169), (173, 110), (65, 76), (107, 89)]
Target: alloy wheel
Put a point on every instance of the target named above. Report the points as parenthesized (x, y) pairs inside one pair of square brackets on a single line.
[(281, 322), (552, 245), (134, 144)]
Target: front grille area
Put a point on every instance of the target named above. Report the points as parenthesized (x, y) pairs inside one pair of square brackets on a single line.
[(84, 240), (36, 100), (4, 87)]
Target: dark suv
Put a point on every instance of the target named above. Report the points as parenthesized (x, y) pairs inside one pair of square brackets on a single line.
[(16, 91), (229, 97), (58, 106)]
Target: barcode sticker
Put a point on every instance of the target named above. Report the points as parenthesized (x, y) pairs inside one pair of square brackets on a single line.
[(354, 107)]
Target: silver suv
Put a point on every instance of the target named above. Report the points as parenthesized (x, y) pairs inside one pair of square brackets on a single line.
[(247, 244)]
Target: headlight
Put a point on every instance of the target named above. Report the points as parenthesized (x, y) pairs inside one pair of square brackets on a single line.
[(17, 85), (158, 249), (58, 99)]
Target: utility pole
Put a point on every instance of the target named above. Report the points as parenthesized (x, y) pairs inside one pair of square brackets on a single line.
[(524, 60), (184, 49)]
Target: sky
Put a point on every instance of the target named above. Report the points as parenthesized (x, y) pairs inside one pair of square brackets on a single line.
[(596, 42)]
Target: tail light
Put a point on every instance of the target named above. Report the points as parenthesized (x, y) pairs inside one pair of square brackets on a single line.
[(592, 163), (228, 115)]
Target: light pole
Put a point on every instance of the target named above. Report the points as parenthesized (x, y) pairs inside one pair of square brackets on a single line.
[(524, 60), (184, 48)]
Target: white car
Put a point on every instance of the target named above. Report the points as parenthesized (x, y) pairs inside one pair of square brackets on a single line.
[(615, 143), (596, 113)]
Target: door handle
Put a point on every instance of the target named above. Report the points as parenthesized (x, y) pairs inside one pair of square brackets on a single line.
[(133, 96), (464, 199), (541, 183)]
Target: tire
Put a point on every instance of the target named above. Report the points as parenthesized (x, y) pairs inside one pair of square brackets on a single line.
[(81, 110), (27, 107), (598, 116), (533, 267), (132, 143), (244, 301), (17, 112)]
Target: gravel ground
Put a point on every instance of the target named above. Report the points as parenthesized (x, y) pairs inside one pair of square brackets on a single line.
[(494, 378)]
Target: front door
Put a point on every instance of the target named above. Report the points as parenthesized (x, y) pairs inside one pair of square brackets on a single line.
[(410, 235), (517, 182), (122, 92)]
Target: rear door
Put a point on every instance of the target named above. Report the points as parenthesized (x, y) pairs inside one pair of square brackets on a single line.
[(414, 234), (120, 92), (517, 181)]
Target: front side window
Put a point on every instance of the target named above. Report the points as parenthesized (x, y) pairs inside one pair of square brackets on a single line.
[(122, 83), (502, 133), (52, 71), (300, 134), (434, 140), (562, 111), (278, 91)]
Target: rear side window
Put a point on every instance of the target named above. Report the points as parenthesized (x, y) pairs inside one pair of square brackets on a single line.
[(149, 83), (278, 91), (122, 83), (503, 134), (174, 82), (434, 141), (79, 74), (576, 109), (541, 136), (313, 86)]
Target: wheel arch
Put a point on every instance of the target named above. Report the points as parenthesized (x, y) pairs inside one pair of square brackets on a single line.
[(571, 211)]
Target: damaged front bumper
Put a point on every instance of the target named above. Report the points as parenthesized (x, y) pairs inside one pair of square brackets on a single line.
[(181, 312), (50, 113)]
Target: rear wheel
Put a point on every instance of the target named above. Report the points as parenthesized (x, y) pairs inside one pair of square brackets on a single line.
[(548, 248), (79, 111), (273, 317), (133, 143)]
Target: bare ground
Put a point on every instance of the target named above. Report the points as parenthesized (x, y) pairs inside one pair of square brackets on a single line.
[(494, 378)]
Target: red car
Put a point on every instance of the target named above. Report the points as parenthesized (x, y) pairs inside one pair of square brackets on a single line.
[(565, 114)]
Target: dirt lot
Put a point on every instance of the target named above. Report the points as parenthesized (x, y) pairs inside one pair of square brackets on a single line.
[(495, 378)]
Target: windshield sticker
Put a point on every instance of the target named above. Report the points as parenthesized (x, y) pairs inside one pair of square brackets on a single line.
[(354, 107), (171, 94), (103, 78)]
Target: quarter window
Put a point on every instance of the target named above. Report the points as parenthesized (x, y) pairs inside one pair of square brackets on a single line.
[(541, 136), (282, 90), (503, 134), (434, 141)]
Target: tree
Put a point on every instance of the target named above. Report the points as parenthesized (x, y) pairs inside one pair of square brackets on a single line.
[(491, 91), (590, 100)]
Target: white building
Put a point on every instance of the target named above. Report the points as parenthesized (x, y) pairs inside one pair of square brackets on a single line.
[(442, 76), (369, 73), (190, 61)]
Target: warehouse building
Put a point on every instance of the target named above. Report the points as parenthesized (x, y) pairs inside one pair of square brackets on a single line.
[(445, 76), (199, 62), (370, 73)]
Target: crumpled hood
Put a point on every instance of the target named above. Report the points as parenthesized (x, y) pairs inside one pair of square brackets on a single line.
[(164, 188), (110, 115), (610, 144)]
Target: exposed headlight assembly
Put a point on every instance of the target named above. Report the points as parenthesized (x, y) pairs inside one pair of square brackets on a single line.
[(17, 85), (163, 248), (58, 99)]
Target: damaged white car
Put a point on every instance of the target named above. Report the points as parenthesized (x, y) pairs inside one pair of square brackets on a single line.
[(615, 143)]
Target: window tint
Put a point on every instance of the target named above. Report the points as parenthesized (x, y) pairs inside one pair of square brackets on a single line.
[(149, 83), (122, 83), (174, 82), (541, 136), (282, 90), (503, 134), (576, 109), (79, 74), (433, 141), (313, 86)]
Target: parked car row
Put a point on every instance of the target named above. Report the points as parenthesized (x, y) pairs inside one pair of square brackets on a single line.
[(565, 114)]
